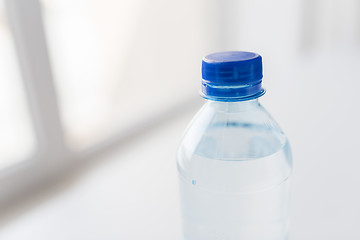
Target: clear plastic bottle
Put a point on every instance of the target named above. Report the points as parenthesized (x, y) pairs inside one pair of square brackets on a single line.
[(234, 161)]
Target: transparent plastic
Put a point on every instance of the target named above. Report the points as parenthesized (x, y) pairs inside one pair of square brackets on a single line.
[(234, 165)]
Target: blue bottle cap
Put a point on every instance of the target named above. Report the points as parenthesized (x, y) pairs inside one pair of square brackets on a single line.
[(232, 76)]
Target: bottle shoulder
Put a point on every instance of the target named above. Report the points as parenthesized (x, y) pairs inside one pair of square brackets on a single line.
[(231, 131)]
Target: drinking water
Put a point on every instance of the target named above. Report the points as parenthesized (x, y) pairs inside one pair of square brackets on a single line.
[(234, 161)]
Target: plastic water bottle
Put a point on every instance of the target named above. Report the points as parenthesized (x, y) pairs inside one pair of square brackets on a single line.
[(234, 161)]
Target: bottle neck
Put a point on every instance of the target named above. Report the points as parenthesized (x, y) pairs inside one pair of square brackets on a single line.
[(239, 106)]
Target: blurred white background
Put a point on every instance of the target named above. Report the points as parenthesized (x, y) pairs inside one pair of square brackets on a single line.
[(94, 97)]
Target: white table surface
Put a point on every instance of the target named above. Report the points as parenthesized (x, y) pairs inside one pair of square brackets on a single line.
[(131, 193)]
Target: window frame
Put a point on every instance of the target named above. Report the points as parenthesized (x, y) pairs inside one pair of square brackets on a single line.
[(52, 157), (51, 154)]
